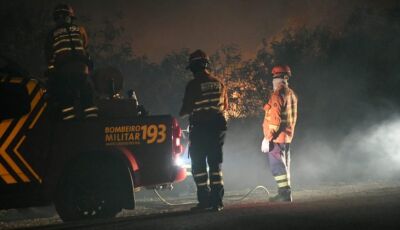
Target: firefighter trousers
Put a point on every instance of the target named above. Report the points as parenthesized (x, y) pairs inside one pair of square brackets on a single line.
[(206, 148), (70, 82), (279, 163)]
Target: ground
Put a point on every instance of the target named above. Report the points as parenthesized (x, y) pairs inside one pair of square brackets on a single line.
[(371, 205)]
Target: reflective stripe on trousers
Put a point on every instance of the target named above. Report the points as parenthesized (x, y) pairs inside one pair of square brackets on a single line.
[(91, 112), (68, 113), (279, 163)]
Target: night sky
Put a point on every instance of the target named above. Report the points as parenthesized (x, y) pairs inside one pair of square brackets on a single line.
[(157, 27)]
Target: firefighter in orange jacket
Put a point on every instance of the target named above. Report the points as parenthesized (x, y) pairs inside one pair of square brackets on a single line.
[(68, 64), (205, 100), (278, 126)]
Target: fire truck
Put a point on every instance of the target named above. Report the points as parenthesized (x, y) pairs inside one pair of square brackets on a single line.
[(87, 168)]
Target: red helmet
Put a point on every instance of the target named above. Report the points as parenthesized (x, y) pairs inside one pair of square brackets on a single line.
[(281, 69)]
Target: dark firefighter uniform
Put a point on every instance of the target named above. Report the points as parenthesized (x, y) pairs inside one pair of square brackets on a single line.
[(278, 126), (205, 100), (68, 65)]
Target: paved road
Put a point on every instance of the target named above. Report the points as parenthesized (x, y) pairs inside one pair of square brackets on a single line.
[(363, 206)]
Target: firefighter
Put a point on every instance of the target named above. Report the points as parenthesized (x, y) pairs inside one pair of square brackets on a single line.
[(68, 65), (205, 101), (278, 126)]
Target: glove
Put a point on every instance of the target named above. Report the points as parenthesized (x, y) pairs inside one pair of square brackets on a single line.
[(265, 146)]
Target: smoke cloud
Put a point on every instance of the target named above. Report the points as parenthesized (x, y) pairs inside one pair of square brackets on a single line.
[(368, 152)]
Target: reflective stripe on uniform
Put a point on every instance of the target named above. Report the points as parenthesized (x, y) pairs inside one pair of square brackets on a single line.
[(16, 80), (217, 182), (62, 50), (196, 58), (91, 115), (69, 117), (200, 174), (68, 109), (94, 108), (67, 49), (203, 184), (210, 93), (58, 37), (273, 127), (61, 37), (67, 40), (207, 101), (283, 184), (203, 101), (207, 108), (281, 177), (217, 174)]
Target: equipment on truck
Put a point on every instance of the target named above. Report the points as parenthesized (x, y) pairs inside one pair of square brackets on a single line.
[(87, 168)]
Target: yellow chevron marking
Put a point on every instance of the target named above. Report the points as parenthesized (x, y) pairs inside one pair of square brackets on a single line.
[(24, 161), (37, 116), (31, 85), (15, 131), (6, 175), (6, 157), (16, 80), (3, 126), (14, 166)]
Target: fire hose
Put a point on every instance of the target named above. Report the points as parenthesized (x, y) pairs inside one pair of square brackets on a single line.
[(259, 187)]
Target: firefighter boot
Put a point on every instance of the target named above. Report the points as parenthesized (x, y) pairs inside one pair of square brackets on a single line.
[(284, 195), (217, 192), (203, 196), (218, 207), (200, 207)]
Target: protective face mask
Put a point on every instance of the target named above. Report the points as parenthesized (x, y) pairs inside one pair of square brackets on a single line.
[(276, 82)]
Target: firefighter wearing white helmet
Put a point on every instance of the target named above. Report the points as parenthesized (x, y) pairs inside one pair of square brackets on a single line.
[(278, 126), (205, 100), (68, 64)]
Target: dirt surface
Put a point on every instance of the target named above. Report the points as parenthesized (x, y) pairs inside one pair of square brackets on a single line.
[(373, 205)]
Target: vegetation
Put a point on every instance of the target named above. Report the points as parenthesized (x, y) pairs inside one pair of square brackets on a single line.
[(337, 73)]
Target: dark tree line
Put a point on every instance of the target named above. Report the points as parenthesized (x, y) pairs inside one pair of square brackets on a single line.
[(341, 76)]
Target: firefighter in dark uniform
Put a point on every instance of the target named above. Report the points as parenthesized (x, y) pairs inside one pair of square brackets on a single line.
[(205, 101), (68, 65)]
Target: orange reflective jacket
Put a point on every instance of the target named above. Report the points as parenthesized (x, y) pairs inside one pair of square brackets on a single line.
[(280, 116)]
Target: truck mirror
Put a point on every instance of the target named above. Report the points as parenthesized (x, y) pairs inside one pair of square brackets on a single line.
[(14, 101)]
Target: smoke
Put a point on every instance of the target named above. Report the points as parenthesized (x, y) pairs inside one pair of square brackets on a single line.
[(375, 148), (244, 165), (369, 151)]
